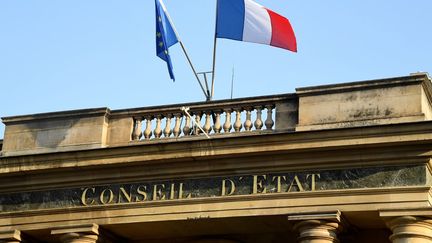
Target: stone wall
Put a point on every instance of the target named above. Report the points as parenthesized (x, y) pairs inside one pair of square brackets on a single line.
[(385, 101), (366, 103)]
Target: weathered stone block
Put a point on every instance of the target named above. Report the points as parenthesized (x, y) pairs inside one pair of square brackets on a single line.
[(53, 132), (405, 99), (120, 130), (286, 115)]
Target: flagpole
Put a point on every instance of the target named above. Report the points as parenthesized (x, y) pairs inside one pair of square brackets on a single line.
[(193, 69), (184, 49), (214, 55), (214, 68)]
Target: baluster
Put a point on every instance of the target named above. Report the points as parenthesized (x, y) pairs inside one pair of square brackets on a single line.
[(217, 125), (227, 125), (167, 130), (197, 121), (207, 125), (238, 124), (136, 133), (176, 130), (269, 121), (187, 126), (148, 131), (258, 123), (158, 130), (248, 122)]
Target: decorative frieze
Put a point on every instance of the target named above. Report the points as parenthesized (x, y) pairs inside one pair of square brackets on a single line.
[(214, 187)]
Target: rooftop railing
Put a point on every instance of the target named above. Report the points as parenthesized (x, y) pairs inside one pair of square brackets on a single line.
[(209, 118)]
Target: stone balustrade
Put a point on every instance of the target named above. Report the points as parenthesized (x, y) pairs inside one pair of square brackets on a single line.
[(174, 122)]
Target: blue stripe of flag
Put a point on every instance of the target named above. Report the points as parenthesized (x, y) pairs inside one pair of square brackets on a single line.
[(230, 19)]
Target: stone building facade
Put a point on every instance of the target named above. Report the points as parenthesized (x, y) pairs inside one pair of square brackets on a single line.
[(347, 162)]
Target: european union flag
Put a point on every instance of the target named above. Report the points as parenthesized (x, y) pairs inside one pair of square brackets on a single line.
[(165, 35)]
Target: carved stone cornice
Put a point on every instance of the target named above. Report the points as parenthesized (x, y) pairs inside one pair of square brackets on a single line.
[(10, 236)]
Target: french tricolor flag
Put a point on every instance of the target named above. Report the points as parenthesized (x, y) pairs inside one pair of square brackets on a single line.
[(246, 20)]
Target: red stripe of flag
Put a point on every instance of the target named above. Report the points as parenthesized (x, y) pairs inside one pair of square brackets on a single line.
[(282, 32)]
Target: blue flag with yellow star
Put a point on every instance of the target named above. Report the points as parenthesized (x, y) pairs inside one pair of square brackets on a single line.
[(165, 35)]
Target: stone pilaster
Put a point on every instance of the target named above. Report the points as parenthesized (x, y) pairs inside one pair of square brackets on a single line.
[(11, 236), (77, 234), (410, 229), (317, 228)]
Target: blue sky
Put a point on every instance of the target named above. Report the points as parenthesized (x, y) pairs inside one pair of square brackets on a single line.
[(63, 55)]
